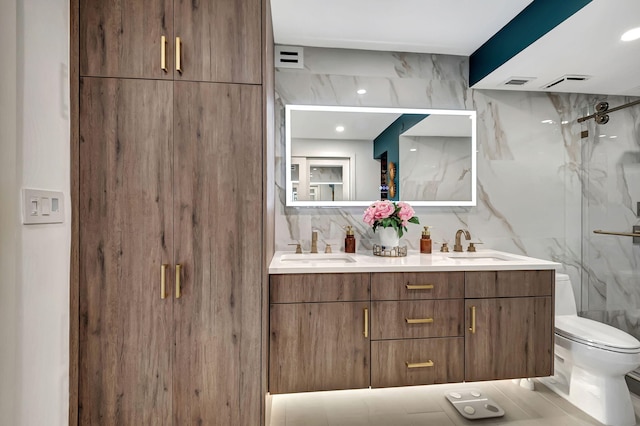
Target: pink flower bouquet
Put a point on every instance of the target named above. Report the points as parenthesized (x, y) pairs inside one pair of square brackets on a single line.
[(387, 214)]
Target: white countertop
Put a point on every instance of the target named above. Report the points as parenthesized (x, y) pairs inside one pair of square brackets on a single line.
[(483, 260)]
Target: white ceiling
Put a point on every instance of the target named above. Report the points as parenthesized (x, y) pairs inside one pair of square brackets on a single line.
[(357, 125), (588, 43)]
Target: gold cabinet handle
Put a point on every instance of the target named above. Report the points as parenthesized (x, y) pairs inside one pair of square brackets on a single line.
[(366, 322), (419, 320), (419, 286), (419, 364), (472, 329), (178, 273), (178, 54), (163, 53), (163, 281)]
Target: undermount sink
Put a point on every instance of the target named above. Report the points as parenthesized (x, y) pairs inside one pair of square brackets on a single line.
[(318, 258), (483, 258)]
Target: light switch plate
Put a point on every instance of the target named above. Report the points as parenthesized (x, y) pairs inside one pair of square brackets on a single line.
[(40, 206)]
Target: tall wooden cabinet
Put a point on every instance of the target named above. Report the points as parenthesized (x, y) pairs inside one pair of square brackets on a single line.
[(169, 213)]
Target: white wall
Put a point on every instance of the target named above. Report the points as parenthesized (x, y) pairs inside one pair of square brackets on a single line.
[(9, 228), (38, 302)]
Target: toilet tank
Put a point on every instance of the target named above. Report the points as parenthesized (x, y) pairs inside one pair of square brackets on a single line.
[(565, 299)]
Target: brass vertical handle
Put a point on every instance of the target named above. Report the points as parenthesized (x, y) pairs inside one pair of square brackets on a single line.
[(472, 329), (163, 281), (178, 273), (163, 53), (366, 322), (178, 54)]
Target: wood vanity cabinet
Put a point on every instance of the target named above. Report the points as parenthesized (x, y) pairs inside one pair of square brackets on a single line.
[(220, 39), (417, 328), (511, 335), (319, 332)]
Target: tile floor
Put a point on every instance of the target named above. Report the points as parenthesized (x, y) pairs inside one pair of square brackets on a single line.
[(426, 406)]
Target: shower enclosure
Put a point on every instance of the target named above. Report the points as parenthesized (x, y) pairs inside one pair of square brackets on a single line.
[(611, 204)]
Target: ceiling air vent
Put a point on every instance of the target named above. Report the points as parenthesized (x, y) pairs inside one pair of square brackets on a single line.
[(517, 81), (289, 57), (566, 78)]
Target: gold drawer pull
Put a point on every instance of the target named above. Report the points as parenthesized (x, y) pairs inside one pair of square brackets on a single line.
[(419, 364), (419, 320), (419, 286), (366, 323), (163, 281), (472, 329), (163, 53), (178, 274), (178, 55)]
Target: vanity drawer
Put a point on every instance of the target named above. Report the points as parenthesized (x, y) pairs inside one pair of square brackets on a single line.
[(417, 362), (301, 288), (417, 319), (488, 284), (417, 285)]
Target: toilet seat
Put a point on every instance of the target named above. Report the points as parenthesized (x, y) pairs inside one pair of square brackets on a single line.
[(596, 334)]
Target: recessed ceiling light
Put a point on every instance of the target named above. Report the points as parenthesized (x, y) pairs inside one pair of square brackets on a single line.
[(632, 34), (361, 91), (603, 136), (612, 137), (340, 129), (547, 121), (413, 149), (565, 121)]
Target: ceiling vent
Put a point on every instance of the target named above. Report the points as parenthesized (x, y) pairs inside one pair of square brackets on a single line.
[(289, 57), (518, 81), (566, 78)]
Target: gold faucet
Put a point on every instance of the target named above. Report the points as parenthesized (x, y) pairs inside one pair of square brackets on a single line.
[(314, 241), (457, 246)]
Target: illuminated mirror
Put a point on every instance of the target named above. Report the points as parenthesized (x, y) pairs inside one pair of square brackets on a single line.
[(352, 156)]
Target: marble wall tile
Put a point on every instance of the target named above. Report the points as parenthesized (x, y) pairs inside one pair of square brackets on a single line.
[(541, 188)]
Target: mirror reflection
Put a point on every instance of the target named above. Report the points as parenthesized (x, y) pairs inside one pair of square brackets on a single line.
[(341, 156)]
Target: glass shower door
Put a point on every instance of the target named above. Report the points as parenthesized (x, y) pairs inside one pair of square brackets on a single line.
[(611, 203)]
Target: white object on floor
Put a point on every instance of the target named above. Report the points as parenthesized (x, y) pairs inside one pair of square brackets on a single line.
[(473, 405), (591, 360)]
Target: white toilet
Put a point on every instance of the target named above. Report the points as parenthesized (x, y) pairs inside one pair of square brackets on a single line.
[(591, 360)]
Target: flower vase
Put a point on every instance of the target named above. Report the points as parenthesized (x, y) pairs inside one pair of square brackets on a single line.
[(388, 237)]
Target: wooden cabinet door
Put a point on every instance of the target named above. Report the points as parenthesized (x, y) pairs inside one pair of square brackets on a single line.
[(221, 40), (122, 38), (125, 334), (218, 232), (513, 338), (318, 346)]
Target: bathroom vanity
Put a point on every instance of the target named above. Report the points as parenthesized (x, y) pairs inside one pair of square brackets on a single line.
[(353, 321)]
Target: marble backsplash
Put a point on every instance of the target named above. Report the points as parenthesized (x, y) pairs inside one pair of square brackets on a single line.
[(534, 170)]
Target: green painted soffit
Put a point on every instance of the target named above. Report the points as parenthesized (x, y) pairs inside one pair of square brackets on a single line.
[(537, 19)]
